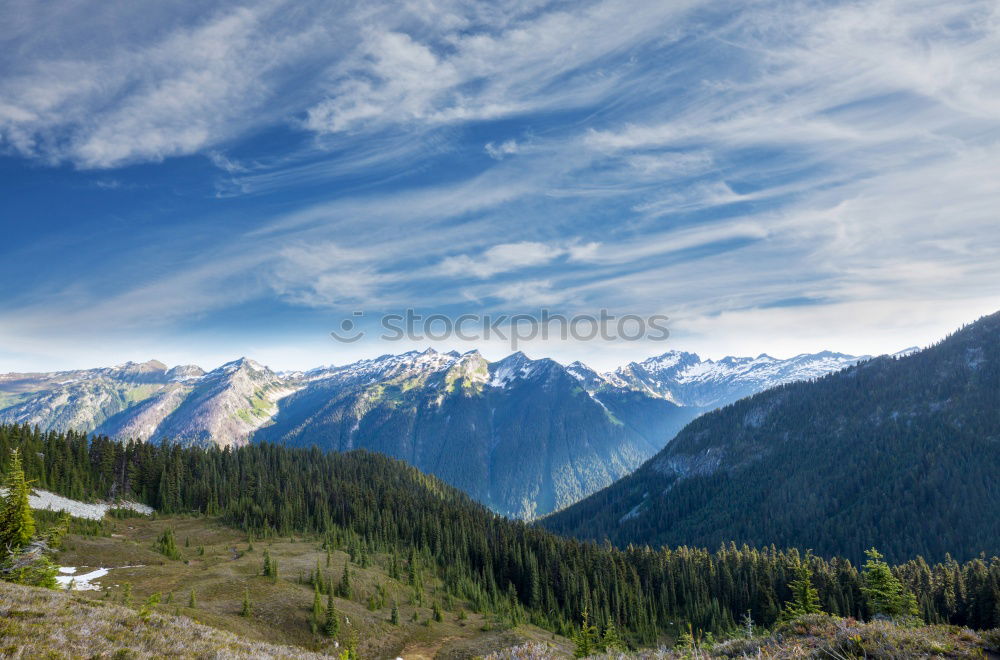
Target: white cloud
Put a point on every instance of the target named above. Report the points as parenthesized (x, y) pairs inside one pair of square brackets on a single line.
[(105, 103), (502, 150), (507, 66), (529, 294), (501, 259), (842, 152), (326, 275)]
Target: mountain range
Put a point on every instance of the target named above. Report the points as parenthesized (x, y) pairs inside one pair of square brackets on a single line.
[(901, 452), (525, 437)]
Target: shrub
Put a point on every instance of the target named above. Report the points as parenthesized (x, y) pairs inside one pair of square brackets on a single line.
[(991, 640)]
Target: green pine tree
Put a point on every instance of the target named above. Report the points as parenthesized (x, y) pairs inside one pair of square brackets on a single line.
[(344, 586), (611, 641), (166, 545), (17, 525), (331, 624), (266, 568), (247, 609), (805, 597), (394, 616), (586, 639), (317, 609), (886, 594)]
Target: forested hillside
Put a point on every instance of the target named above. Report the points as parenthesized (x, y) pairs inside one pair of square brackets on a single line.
[(371, 503), (903, 453)]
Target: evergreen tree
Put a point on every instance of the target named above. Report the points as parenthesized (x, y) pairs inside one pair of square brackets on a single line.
[(611, 641), (885, 593), (586, 639), (317, 608), (166, 545), (331, 624), (17, 525), (344, 586), (805, 597), (266, 568), (247, 609), (191, 601), (394, 616)]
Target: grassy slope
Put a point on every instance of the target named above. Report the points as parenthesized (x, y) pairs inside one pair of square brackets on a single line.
[(41, 623), (281, 609)]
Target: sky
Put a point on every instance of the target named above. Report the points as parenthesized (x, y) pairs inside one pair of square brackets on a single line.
[(194, 182)]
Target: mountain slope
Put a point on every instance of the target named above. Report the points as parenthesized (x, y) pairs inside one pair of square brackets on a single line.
[(899, 452), (522, 436), (687, 380), (223, 407), (82, 400)]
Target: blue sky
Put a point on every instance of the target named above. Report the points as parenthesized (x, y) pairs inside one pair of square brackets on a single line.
[(198, 181)]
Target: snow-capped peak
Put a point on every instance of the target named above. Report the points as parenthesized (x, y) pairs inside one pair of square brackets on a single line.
[(686, 379)]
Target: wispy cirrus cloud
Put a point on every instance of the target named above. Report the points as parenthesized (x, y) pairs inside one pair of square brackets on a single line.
[(705, 161), (100, 103)]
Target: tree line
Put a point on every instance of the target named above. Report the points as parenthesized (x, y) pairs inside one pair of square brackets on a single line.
[(382, 510)]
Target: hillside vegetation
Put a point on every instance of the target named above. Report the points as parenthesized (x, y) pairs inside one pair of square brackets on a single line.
[(370, 505), (899, 453), (42, 623)]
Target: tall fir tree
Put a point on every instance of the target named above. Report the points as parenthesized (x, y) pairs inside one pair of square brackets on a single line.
[(344, 586), (805, 597), (886, 594), (331, 624), (17, 524), (247, 609)]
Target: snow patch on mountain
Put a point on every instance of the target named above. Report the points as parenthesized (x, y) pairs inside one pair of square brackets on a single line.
[(45, 501)]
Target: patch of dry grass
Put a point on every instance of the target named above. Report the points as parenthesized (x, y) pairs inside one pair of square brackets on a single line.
[(814, 637), (40, 623), (833, 638)]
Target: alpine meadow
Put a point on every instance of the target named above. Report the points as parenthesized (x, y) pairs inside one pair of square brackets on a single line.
[(508, 331)]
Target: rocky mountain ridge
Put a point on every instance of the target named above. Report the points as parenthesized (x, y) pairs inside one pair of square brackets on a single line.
[(524, 436)]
